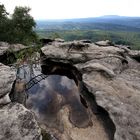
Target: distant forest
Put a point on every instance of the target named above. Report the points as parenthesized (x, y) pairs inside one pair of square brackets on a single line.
[(120, 30)]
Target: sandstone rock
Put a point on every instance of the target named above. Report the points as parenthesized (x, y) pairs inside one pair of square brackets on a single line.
[(8, 47), (7, 51), (17, 47), (19, 95), (3, 47), (104, 43), (112, 75), (125, 47), (97, 67), (7, 78), (135, 54), (5, 100), (74, 133), (18, 123), (59, 40)]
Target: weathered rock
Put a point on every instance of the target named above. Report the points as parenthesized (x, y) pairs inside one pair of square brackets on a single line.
[(104, 43), (8, 47), (19, 94), (18, 123), (112, 75), (125, 47), (7, 51), (135, 55), (72, 132), (7, 78), (59, 40), (17, 47), (3, 47), (89, 67)]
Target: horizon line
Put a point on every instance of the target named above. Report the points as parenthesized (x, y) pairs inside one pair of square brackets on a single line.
[(51, 19)]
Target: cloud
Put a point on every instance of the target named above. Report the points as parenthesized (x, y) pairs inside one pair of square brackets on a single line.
[(68, 83)]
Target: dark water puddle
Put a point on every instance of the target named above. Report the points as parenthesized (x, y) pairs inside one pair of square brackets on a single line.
[(50, 95)]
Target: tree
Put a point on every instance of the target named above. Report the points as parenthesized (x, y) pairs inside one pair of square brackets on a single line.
[(3, 13), (24, 25), (3, 22), (19, 28)]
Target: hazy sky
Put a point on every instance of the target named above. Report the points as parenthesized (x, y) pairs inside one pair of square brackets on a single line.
[(59, 9)]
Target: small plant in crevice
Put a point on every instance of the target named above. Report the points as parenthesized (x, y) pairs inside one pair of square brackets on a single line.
[(20, 56)]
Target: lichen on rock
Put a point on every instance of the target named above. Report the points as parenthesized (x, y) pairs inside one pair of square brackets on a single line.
[(18, 123)]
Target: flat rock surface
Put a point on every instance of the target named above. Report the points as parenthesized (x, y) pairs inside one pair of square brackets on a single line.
[(112, 75)]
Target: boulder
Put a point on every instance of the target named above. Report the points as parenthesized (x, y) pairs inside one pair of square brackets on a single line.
[(17, 47), (111, 74), (7, 52), (3, 47), (135, 55), (104, 43), (18, 123), (7, 78)]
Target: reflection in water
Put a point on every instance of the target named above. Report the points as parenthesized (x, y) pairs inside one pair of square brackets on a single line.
[(50, 95)]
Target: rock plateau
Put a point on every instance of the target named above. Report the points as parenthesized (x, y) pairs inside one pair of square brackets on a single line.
[(108, 80)]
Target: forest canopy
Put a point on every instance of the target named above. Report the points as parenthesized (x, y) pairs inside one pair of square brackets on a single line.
[(18, 27)]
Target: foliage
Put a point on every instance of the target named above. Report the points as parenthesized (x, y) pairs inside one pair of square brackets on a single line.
[(3, 22), (19, 28), (3, 13), (26, 53), (23, 25)]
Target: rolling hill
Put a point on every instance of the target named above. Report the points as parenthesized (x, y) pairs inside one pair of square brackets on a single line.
[(119, 29), (114, 23)]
